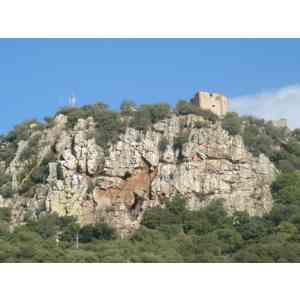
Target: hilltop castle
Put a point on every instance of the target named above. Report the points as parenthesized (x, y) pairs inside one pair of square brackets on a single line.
[(281, 123), (216, 103)]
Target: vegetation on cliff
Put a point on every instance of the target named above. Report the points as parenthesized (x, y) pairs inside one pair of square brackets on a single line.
[(281, 145), (169, 234)]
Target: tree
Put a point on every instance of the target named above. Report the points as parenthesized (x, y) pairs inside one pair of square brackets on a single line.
[(158, 111), (155, 217), (141, 120), (184, 108), (215, 213), (280, 213), (5, 214), (47, 226), (286, 230), (254, 229), (232, 123), (128, 107), (177, 205), (286, 188), (99, 231), (231, 239), (148, 114), (6, 189)]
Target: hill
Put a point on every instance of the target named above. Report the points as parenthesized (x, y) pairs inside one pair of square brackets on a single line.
[(149, 183)]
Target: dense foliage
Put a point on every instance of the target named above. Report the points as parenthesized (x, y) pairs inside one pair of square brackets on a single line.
[(170, 234), (9, 142), (110, 124), (281, 145), (146, 115)]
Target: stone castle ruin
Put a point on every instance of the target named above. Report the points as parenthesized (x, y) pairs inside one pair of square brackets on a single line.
[(216, 103), (219, 104), (281, 123)]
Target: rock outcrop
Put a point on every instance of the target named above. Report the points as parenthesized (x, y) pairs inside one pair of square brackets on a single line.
[(117, 184)]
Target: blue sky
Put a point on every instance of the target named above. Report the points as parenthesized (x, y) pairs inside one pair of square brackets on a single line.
[(38, 75)]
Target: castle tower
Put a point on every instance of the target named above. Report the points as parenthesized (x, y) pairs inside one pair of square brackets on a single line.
[(216, 103), (281, 123)]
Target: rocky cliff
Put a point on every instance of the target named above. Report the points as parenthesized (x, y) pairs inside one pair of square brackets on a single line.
[(180, 154)]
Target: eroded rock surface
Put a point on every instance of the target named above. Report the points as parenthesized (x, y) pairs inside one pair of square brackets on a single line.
[(118, 184)]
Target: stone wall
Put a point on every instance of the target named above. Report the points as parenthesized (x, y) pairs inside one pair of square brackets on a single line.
[(281, 123), (216, 103)]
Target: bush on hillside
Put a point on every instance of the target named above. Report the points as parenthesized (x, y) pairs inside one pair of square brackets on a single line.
[(23, 131), (232, 123), (128, 108), (286, 188), (5, 214), (185, 108), (146, 115), (99, 231), (6, 186), (7, 153)]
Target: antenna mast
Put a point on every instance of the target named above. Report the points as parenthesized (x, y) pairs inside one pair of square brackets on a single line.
[(72, 101)]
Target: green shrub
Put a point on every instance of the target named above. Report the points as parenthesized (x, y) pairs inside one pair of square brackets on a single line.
[(6, 186), (185, 108), (99, 231), (128, 108), (23, 131), (232, 123), (108, 128), (146, 115), (5, 214), (286, 188), (293, 147), (177, 205), (208, 115), (158, 111), (141, 120), (215, 213), (73, 115), (231, 239), (8, 152), (47, 226), (255, 229), (4, 179), (155, 217), (32, 148)]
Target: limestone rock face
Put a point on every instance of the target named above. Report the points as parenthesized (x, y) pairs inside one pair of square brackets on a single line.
[(116, 185), (217, 166)]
